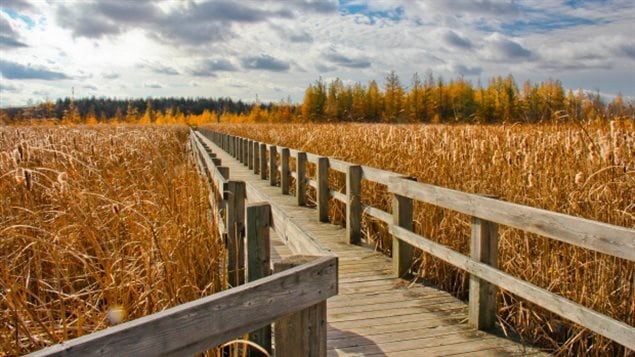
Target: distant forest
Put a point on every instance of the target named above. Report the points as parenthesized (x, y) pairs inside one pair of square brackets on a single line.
[(427, 99), (104, 109)]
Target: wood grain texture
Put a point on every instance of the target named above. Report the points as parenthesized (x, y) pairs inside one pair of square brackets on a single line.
[(354, 204), (323, 192), (205, 323), (302, 333), (263, 161), (273, 166), (284, 171), (258, 217), (598, 236), (484, 249), (300, 178), (235, 232), (402, 252)]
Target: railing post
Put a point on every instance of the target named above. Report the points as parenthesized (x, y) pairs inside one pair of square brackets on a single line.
[(245, 156), (241, 146), (300, 179), (259, 260), (236, 147), (224, 171), (273, 166), (256, 157), (250, 155), (302, 333), (235, 232), (354, 204), (323, 193), (263, 161), (484, 249), (284, 170), (402, 252)]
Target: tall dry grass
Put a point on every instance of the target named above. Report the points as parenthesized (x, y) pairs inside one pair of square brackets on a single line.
[(98, 225), (581, 170)]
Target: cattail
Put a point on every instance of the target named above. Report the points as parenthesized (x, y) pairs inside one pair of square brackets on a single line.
[(496, 157), (4, 161), (25, 151), (618, 155), (16, 156), (28, 179), (530, 180), (19, 176), (579, 178)]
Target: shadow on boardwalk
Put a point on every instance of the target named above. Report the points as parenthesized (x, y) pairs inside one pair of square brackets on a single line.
[(346, 343)]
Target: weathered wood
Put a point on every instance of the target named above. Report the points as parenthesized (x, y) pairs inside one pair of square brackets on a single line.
[(299, 240), (263, 161), (273, 166), (338, 196), (207, 322), (223, 171), (377, 175), (312, 158), (598, 236), (484, 249), (402, 252), (284, 171), (259, 259), (593, 320), (256, 157), (241, 145), (214, 175), (216, 161), (339, 165), (235, 232), (258, 241), (300, 179), (246, 152), (250, 155), (354, 204), (302, 333), (323, 189), (377, 213)]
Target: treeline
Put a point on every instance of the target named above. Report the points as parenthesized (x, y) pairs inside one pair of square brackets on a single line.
[(433, 100), (424, 100), (110, 109)]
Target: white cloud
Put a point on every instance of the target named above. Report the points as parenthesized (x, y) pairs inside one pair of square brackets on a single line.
[(275, 49)]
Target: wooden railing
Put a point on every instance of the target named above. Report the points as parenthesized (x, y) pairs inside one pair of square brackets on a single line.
[(487, 214), (296, 290)]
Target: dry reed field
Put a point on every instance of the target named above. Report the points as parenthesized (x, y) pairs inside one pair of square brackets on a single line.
[(583, 170), (98, 225)]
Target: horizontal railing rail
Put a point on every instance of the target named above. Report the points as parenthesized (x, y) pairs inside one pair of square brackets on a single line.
[(486, 213), (208, 322)]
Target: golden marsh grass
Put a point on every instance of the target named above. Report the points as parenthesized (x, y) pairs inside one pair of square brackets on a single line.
[(583, 170), (98, 225)]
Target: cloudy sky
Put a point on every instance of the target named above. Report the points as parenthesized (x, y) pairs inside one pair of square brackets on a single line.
[(271, 50)]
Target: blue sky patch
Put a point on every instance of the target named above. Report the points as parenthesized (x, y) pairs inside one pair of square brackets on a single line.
[(353, 7), (540, 21), (16, 16), (581, 3)]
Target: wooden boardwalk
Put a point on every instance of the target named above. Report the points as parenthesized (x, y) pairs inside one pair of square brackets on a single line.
[(376, 314)]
